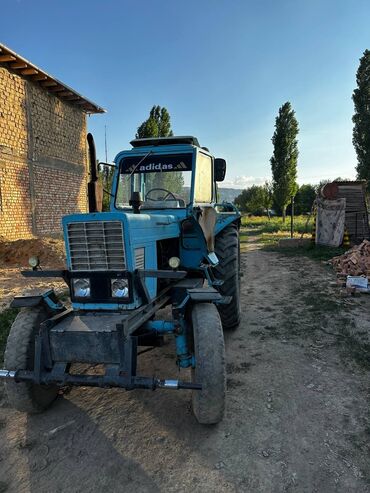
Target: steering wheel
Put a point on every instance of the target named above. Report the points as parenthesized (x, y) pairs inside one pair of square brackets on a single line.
[(167, 192)]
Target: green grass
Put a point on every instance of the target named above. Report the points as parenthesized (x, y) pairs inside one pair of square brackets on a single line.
[(261, 230), (270, 231), (315, 252), (6, 319), (261, 224)]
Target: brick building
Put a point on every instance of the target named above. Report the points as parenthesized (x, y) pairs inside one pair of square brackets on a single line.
[(43, 154)]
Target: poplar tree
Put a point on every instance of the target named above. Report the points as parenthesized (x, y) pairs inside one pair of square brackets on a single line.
[(361, 118), (158, 124), (285, 156)]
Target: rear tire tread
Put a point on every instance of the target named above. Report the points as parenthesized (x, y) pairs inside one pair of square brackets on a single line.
[(227, 270)]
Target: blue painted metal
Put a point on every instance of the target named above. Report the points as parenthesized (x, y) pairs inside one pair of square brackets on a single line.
[(54, 306), (226, 218), (140, 231), (184, 358), (37, 297), (193, 250), (160, 326), (104, 306)]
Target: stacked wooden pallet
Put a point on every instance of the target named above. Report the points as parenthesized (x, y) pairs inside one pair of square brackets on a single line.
[(357, 220)]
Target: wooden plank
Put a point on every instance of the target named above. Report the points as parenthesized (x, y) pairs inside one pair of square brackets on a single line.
[(65, 93), (72, 98), (39, 77), (29, 71), (56, 89), (18, 65), (7, 58), (49, 83)]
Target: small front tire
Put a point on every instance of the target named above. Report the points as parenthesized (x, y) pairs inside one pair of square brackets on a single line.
[(210, 364), (19, 355)]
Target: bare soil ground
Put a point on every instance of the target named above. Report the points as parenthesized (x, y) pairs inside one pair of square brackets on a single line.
[(297, 414), (14, 257), (16, 253)]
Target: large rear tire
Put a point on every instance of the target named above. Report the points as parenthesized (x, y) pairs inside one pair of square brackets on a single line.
[(210, 365), (227, 249), (19, 354)]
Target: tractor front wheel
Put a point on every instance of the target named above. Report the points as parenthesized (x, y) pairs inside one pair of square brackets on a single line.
[(210, 365), (19, 355)]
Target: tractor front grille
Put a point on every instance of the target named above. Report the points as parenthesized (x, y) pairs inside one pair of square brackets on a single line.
[(96, 246)]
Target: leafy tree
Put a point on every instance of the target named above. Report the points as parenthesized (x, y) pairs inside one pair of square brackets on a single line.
[(267, 196), (255, 199), (361, 118), (304, 199), (158, 124), (285, 156), (241, 200)]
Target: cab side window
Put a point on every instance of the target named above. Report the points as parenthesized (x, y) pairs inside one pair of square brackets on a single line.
[(203, 185)]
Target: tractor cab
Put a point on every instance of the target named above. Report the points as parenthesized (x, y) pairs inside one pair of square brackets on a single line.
[(164, 174)]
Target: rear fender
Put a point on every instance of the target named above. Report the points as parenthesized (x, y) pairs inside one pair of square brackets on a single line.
[(226, 217)]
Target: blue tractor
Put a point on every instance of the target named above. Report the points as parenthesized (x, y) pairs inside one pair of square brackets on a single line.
[(166, 241)]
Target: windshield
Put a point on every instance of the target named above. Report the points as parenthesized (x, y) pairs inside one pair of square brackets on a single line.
[(163, 181)]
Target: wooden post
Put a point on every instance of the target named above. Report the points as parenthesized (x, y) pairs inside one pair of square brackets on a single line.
[(292, 217)]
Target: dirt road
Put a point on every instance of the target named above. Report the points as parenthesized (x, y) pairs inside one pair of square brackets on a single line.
[(297, 416)]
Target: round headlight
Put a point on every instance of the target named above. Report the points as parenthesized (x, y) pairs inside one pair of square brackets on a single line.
[(119, 288), (81, 288), (34, 261), (174, 262)]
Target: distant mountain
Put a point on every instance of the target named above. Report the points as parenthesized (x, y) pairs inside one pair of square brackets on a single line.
[(228, 194)]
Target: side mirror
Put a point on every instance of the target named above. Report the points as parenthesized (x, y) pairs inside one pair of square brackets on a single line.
[(219, 169)]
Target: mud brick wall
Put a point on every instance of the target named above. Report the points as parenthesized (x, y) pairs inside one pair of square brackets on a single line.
[(43, 159)]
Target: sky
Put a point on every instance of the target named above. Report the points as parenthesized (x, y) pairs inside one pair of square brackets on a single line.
[(222, 68)]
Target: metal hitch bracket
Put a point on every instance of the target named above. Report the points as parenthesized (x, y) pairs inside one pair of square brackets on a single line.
[(105, 381)]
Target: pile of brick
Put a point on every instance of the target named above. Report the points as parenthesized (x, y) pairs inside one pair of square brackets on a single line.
[(355, 262)]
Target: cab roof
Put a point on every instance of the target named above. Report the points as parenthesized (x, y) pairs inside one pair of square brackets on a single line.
[(162, 141)]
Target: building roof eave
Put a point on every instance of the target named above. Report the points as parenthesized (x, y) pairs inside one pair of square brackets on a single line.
[(19, 65)]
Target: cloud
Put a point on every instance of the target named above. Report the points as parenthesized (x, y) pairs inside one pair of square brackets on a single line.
[(243, 181)]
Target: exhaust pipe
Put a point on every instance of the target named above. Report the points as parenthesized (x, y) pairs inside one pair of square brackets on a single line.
[(94, 188)]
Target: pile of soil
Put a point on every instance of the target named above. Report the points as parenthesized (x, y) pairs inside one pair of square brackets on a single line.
[(16, 253), (355, 262)]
